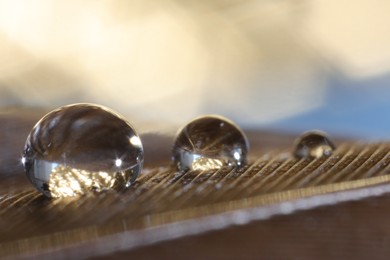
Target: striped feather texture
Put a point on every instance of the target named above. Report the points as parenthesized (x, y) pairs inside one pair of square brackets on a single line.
[(164, 203)]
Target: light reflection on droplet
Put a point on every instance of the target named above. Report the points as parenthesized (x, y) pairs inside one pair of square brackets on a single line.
[(210, 142), (313, 144), (118, 162), (136, 141)]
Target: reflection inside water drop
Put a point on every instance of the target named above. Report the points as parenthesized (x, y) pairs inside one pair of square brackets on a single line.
[(313, 144), (82, 148), (57, 180), (209, 142)]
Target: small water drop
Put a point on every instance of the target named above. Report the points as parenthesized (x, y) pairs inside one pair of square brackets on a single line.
[(210, 142), (82, 148), (313, 144)]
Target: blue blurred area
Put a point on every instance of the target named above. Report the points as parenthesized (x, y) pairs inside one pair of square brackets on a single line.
[(352, 108)]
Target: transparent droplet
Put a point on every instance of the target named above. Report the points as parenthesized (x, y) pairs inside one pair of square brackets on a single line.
[(210, 142), (82, 148), (313, 144)]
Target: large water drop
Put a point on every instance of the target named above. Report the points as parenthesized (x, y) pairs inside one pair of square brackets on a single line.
[(82, 148)]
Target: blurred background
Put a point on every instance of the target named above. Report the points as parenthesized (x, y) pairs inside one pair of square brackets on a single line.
[(283, 65)]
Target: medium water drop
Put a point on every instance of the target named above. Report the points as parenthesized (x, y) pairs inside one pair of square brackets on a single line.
[(313, 144), (210, 142), (82, 148)]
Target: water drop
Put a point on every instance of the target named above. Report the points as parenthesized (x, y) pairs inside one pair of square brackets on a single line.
[(210, 142), (82, 148), (313, 144)]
